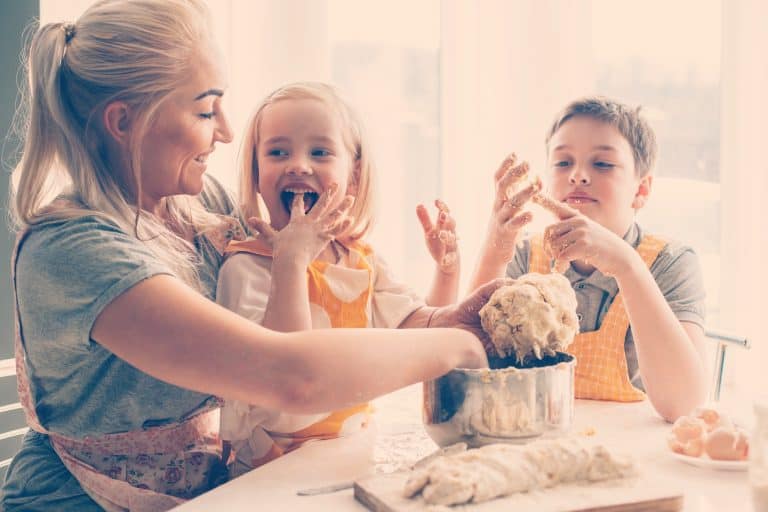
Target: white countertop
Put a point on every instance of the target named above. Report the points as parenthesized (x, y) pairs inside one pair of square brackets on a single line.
[(631, 428)]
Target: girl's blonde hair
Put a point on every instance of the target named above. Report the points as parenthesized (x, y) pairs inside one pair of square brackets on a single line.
[(363, 207), (135, 51)]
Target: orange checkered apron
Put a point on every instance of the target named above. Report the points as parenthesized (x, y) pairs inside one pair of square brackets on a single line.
[(351, 310), (601, 368)]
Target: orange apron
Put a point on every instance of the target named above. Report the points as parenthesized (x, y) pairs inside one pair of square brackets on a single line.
[(347, 309), (148, 470), (601, 367)]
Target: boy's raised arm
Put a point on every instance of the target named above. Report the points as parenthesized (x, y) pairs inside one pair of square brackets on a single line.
[(506, 220)]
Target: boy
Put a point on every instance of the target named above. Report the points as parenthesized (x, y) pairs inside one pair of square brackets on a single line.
[(640, 297)]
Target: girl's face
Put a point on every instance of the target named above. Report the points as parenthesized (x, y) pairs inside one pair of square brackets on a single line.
[(185, 131), (301, 150), (592, 169)]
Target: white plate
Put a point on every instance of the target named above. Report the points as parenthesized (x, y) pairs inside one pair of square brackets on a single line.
[(706, 462)]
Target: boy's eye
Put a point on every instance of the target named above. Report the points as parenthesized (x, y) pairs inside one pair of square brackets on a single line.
[(604, 165), (320, 152), (277, 152), (207, 115), (562, 163)]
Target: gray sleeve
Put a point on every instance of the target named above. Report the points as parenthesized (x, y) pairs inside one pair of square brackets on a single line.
[(217, 199), (677, 272), (67, 273), (519, 264)]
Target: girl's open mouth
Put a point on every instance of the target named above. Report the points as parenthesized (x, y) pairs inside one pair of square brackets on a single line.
[(287, 195)]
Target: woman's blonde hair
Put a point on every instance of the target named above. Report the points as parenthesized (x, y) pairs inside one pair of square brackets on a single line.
[(134, 51), (362, 210)]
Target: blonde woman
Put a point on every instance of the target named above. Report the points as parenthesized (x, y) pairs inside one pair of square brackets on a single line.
[(120, 350)]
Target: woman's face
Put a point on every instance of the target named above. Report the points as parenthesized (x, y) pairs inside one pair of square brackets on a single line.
[(184, 133)]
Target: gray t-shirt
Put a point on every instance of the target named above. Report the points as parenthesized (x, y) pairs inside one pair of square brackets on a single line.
[(677, 273), (66, 273)]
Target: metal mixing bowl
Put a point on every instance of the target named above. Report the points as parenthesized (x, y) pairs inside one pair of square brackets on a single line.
[(500, 404)]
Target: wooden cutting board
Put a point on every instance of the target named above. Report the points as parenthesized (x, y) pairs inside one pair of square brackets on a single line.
[(383, 493)]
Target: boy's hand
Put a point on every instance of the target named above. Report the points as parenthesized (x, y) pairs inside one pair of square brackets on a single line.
[(440, 237), (508, 217), (576, 237), (307, 234)]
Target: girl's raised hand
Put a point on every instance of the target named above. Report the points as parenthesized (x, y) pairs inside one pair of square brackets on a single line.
[(307, 234), (440, 237)]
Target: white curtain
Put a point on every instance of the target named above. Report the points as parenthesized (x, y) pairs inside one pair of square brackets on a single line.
[(744, 181), (506, 68)]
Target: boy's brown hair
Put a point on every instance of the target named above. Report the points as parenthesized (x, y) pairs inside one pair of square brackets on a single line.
[(627, 120)]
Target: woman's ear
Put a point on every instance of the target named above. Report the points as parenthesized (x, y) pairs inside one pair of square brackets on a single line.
[(117, 121), (643, 191)]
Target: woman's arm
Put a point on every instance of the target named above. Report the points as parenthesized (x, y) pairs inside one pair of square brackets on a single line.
[(169, 331)]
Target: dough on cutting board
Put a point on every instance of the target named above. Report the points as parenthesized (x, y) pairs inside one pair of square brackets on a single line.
[(498, 470)]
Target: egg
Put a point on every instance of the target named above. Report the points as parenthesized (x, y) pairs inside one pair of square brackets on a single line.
[(725, 443), (687, 436)]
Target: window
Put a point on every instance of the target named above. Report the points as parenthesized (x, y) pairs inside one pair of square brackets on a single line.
[(676, 78)]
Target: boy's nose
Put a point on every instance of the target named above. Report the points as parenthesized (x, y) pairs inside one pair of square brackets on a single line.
[(578, 178)]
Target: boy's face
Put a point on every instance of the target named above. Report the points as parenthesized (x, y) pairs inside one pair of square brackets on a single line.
[(592, 169), (301, 150)]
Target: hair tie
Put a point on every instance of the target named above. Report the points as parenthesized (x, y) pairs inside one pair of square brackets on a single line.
[(69, 32)]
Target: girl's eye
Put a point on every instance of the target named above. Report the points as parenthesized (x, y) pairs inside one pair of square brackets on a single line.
[(277, 152), (320, 153), (562, 163), (208, 115)]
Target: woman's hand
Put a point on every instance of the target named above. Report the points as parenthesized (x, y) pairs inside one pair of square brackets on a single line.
[(576, 237), (440, 237), (306, 234), (465, 315)]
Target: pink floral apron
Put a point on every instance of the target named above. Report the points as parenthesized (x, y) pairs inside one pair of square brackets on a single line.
[(148, 470)]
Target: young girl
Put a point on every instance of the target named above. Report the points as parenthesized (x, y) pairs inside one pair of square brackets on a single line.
[(305, 159)]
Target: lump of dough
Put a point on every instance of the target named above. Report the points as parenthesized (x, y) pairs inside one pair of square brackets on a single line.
[(496, 470), (534, 316)]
